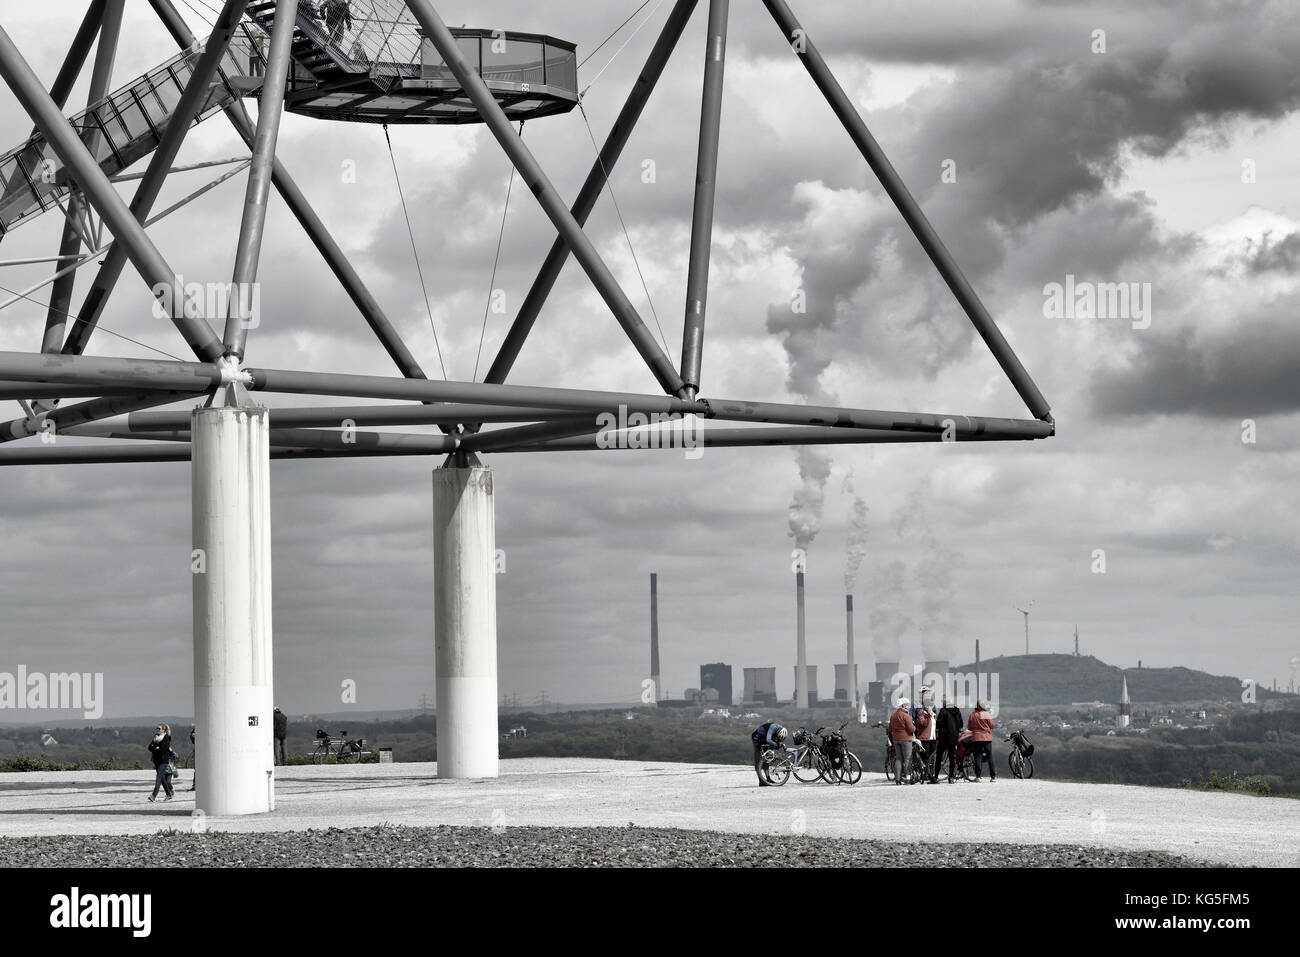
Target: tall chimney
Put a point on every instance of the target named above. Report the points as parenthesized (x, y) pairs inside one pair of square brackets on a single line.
[(801, 651), (853, 672), (654, 634)]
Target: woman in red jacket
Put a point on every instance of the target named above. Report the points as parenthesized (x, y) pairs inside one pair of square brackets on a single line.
[(981, 729)]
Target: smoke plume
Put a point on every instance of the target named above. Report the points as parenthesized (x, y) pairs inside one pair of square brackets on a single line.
[(810, 497), (855, 546)]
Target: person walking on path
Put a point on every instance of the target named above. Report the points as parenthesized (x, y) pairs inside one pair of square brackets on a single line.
[(767, 735), (981, 729), (280, 724), (948, 725), (160, 750), (901, 732)]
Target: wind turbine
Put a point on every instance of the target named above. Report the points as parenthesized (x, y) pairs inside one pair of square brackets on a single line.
[(1025, 611)]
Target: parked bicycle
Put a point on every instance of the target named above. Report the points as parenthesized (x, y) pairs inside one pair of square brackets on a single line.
[(1021, 757), (844, 762)]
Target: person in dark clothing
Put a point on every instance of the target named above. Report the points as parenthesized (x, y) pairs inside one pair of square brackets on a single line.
[(948, 725), (337, 15), (767, 735), (280, 723), (160, 750), (194, 778)]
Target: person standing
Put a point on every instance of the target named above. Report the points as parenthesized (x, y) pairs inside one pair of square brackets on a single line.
[(337, 15), (948, 725), (280, 725), (926, 737), (160, 750), (901, 732), (981, 731), (194, 778), (767, 735)]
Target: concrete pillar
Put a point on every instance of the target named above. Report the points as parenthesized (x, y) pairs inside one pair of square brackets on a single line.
[(231, 566), (465, 621)]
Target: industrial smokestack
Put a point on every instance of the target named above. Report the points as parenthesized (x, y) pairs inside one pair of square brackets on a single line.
[(853, 671), (654, 634), (801, 651)]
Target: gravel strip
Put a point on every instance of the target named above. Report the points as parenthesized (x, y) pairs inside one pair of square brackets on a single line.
[(446, 846)]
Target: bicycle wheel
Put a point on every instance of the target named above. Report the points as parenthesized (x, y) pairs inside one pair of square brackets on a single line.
[(1027, 767), (916, 767), (778, 772), (320, 754), (850, 768), (808, 768), (967, 766), (889, 764), (1014, 762), (349, 756), (829, 773)]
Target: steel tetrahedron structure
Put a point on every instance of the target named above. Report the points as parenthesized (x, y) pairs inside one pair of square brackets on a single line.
[(393, 63)]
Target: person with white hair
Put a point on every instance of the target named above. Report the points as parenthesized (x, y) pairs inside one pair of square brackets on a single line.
[(160, 750), (901, 733)]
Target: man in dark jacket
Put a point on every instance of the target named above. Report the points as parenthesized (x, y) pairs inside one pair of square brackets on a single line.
[(948, 729), (767, 735), (280, 724)]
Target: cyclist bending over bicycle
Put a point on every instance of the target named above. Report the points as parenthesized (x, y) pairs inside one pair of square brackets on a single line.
[(765, 736)]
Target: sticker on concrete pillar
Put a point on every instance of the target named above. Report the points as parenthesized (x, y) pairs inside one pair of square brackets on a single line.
[(252, 721)]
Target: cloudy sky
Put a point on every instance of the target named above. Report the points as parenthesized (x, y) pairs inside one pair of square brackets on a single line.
[(1162, 151)]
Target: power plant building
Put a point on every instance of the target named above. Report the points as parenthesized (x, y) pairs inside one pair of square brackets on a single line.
[(718, 677), (760, 686), (846, 685)]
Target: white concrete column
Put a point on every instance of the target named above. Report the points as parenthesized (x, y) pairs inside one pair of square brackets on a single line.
[(231, 566), (465, 622)]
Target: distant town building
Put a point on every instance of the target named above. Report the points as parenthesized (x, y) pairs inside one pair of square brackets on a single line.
[(1125, 707), (718, 677), (701, 695), (47, 740)]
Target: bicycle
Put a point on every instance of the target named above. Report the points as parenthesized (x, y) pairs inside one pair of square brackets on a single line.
[(1020, 759), (350, 752), (325, 748), (811, 763), (844, 763)]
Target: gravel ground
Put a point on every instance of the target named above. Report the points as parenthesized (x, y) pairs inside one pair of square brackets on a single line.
[(445, 846)]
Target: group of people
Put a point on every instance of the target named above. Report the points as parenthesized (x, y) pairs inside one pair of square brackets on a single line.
[(937, 731), (164, 756)]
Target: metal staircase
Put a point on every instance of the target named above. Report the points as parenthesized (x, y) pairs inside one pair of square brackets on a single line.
[(120, 129)]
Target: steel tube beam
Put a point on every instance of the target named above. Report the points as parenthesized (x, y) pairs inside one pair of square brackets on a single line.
[(852, 121), (532, 174), (46, 390), (78, 52), (380, 387), (132, 374), (311, 223), (88, 412), (540, 431), (128, 453), (102, 75), (592, 188), (959, 426), (350, 416), (160, 165), (715, 438), (252, 228), (99, 191), (706, 181)]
